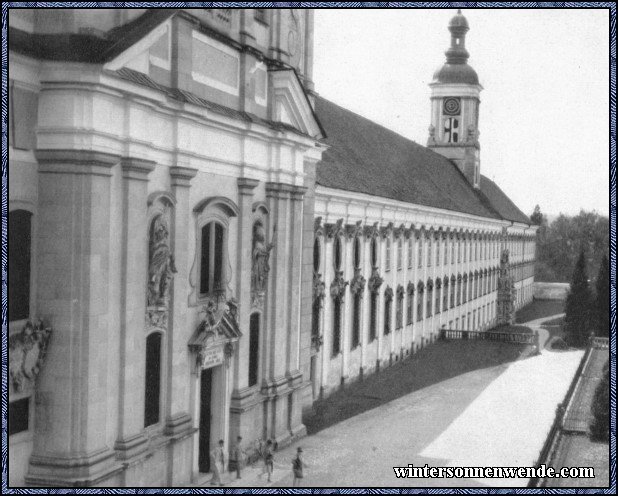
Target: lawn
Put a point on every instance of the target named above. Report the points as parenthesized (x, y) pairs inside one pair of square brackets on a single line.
[(436, 363), (580, 451), (538, 309)]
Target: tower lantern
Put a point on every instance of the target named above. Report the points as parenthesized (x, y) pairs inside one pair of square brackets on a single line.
[(455, 99)]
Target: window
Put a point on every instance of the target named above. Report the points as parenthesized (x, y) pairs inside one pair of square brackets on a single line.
[(445, 251), (419, 303), (452, 251), (410, 304), (316, 255), (453, 282), (316, 311), (459, 291), (451, 130), (464, 295), (388, 302), (438, 241), (399, 253), (260, 15), (399, 312), (356, 309), (211, 266), (357, 253), (336, 326), (153, 379), (373, 310), (337, 254), (254, 347), (420, 251), (388, 254), (459, 248), (429, 298), (445, 295), (438, 287), (19, 416), (374, 253), (410, 253), (19, 238), (429, 252)]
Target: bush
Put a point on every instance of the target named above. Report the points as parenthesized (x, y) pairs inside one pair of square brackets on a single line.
[(577, 321), (599, 427), (559, 344)]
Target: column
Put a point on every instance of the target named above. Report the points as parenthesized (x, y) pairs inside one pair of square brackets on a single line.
[(327, 312), (74, 395), (131, 440), (346, 327), (366, 303)]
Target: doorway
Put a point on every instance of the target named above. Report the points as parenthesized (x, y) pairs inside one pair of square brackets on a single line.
[(205, 420)]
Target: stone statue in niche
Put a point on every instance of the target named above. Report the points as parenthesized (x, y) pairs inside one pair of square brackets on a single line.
[(261, 255), (161, 268), (27, 350)]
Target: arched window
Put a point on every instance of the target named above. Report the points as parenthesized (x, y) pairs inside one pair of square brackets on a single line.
[(419, 241), (459, 249), (399, 253), (429, 297), (388, 303), (254, 348), (410, 253), (445, 295), (419, 301), (453, 251), (438, 241), (337, 253), (387, 257), (152, 403), (464, 295), (19, 238), (453, 286), (459, 290), (410, 303), (374, 252), (211, 264), (429, 241), (399, 310), (357, 253), (336, 326), (316, 255), (373, 315), (446, 250), (356, 313), (438, 287)]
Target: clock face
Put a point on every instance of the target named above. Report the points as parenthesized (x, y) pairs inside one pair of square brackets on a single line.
[(452, 106)]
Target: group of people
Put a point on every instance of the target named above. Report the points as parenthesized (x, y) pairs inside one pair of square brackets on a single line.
[(218, 458)]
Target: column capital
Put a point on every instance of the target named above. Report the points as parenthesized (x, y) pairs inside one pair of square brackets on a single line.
[(136, 168), (278, 190), (76, 162), (181, 176), (298, 193), (246, 185)]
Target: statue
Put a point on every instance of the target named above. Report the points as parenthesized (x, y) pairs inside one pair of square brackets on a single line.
[(161, 268), (432, 135), (261, 255)]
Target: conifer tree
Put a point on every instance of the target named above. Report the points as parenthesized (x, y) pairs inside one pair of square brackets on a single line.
[(602, 299), (577, 322), (599, 426)]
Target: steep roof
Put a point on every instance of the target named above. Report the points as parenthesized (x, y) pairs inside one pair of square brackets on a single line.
[(365, 157)]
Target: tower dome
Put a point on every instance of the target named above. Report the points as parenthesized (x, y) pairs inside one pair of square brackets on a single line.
[(456, 69)]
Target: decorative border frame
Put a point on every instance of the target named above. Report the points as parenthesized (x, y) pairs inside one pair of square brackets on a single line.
[(612, 213)]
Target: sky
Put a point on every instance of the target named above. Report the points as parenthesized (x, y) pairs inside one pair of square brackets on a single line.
[(544, 114)]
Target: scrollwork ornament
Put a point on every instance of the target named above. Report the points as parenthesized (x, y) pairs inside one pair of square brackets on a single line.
[(357, 286), (319, 287), (388, 294), (337, 287), (375, 281), (27, 350)]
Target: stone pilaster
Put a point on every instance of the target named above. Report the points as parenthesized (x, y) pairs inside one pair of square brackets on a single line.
[(177, 408), (130, 440), (75, 394)]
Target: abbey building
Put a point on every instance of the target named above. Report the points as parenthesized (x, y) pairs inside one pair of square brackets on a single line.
[(200, 246)]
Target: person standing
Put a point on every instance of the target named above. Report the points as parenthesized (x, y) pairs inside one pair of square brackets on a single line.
[(217, 456), (269, 459), (297, 467), (239, 456)]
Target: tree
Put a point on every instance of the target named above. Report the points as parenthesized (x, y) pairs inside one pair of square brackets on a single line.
[(577, 321), (537, 216), (601, 307), (599, 427)]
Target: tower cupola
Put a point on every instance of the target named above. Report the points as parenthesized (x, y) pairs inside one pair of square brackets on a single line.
[(455, 99)]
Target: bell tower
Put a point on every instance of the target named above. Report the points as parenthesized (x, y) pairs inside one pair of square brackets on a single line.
[(455, 99)]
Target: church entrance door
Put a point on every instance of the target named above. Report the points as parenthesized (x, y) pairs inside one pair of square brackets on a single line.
[(205, 419)]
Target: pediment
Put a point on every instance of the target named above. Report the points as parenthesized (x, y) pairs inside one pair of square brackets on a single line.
[(291, 105)]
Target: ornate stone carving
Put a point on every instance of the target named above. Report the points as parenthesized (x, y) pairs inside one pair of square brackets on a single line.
[(400, 291), (353, 230), (319, 287), (386, 230), (506, 292), (388, 294), (27, 350), (337, 287), (260, 267), (161, 268), (357, 285), (472, 134), (410, 288), (371, 231), (400, 231), (333, 230), (375, 281), (318, 229), (432, 135)]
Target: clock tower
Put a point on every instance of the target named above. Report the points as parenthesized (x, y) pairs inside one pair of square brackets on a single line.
[(455, 99)]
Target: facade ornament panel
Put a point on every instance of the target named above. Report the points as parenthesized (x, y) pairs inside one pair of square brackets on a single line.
[(357, 286), (371, 231), (319, 287), (386, 230), (337, 287), (161, 270), (410, 287), (375, 281), (354, 230), (27, 350), (400, 291), (260, 263), (333, 230), (400, 231), (318, 228), (388, 294)]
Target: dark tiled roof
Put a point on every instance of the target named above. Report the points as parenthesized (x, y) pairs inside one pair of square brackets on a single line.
[(91, 48), (368, 158), (502, 203)]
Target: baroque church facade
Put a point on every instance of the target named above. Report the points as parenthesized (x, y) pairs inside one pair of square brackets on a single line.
[(200, 246)]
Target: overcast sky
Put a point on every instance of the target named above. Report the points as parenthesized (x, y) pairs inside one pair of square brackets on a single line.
[(544, 119)]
